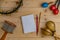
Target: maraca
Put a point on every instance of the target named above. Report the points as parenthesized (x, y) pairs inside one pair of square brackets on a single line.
[(49, 29), (54, 8), (45, 4), (50, 25), (56, 11)]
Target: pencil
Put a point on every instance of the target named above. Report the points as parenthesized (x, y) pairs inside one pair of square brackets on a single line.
[(39, 18), (37, 24)]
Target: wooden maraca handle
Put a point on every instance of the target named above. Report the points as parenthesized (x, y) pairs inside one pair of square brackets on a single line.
[(4, 36)]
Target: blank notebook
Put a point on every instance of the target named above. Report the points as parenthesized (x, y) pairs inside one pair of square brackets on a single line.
[(28, 23)]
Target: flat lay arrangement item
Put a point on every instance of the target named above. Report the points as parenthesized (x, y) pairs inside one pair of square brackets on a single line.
[(45, 4), (38, 17), (9, 6), (8, 27), (50, 30), (28, 23), (55, 7)]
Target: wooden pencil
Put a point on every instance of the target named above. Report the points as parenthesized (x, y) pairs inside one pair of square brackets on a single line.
[(37, 24)]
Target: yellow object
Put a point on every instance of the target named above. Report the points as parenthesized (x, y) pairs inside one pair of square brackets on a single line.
[(50, 25), (46, 32)]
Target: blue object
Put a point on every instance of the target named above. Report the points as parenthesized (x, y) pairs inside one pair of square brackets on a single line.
[(44, 5)]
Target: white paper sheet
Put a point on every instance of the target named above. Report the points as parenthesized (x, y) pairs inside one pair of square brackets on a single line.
[(28, 24)]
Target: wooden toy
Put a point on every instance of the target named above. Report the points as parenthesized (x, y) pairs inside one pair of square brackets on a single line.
[(54, 7), (8, 27), (45, 4)]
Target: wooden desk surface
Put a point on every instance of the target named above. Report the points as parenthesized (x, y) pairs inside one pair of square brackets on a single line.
[(30, 7)]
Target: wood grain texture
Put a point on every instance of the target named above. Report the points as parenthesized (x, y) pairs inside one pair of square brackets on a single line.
[(4, 36), (30, 7)]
